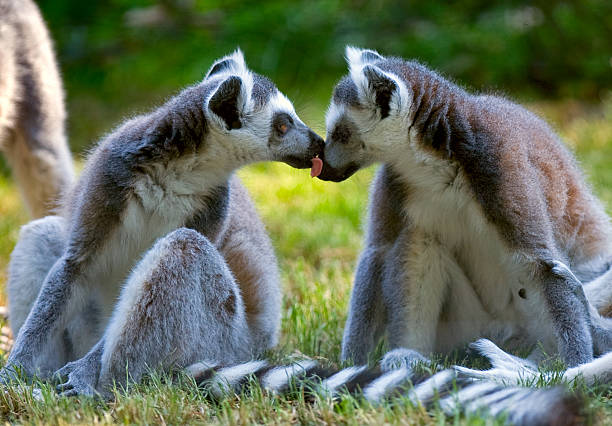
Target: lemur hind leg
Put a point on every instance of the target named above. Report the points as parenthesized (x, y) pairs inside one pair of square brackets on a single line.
[(41, 242), (180, 305)]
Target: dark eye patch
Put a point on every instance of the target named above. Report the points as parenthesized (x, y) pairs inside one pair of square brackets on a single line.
[(342, 133), (281, 123)]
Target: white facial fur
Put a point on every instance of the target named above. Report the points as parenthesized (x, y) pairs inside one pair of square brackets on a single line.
[(248, 143), (382, 138)]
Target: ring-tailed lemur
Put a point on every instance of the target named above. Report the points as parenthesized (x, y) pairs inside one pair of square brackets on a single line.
[(32, 113), (207, 289), (469, 216), (479, 218)]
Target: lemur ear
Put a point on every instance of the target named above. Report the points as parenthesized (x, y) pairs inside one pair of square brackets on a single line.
[(232, 63), (228, 102), (380, 88), (356, 57)]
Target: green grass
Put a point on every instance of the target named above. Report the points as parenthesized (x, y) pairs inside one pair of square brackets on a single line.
[(317, 229)]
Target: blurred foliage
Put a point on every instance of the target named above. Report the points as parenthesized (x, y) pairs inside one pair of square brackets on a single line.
[(119, 55)]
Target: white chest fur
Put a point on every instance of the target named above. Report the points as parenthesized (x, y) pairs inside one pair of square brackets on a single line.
[(164, 197), (494, 295)]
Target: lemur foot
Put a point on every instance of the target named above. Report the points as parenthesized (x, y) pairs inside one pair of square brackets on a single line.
[(81, 379), (400, 358)]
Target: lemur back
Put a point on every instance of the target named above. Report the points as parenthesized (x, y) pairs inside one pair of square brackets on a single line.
[(32, 112)]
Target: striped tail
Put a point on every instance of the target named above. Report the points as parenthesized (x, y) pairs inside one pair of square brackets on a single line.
[(454, 390)]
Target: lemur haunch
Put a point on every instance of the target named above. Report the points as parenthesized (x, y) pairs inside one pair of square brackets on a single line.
[(480, 222), (32, 113), (159, 187)]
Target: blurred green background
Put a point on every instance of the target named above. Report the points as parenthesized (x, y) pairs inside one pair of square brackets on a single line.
[(119, 56)]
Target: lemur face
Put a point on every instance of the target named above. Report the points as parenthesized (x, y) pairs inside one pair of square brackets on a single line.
[(260, 122), (367, 116)]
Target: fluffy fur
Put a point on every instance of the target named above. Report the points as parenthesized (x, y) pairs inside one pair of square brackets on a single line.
[(32, 113), (480, 222), (157, 222)]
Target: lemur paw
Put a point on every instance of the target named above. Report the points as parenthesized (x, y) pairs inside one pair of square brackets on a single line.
[(81, 380), (400, 358)]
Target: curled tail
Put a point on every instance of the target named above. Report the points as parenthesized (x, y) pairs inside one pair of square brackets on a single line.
[(455, 389)]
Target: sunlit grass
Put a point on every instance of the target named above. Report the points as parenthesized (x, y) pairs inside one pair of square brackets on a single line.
[(316, 229)]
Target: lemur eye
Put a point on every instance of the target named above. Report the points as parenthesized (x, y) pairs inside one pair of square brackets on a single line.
[(282, 122)]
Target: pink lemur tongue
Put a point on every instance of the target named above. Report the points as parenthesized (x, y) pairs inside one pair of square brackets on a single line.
[(317, 166)]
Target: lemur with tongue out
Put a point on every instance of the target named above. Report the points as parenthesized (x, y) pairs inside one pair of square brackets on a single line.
[(480, 223), (160, 187)]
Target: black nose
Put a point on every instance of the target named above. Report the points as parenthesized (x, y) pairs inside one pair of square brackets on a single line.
[(314, 138), (316, 141)]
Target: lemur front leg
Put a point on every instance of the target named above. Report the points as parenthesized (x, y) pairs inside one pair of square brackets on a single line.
[(414, 294), (40, 339), (67, 288), (569, 310), (180, 305), (365, 323), (600, 327)]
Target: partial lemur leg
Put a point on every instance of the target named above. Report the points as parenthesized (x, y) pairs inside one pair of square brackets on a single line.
[(380, 267), (42, 344), (415, 293), (42, 168), (180, 305), (40, 244), (38, 151), (365, 322), (599, 293), (601, 332)]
